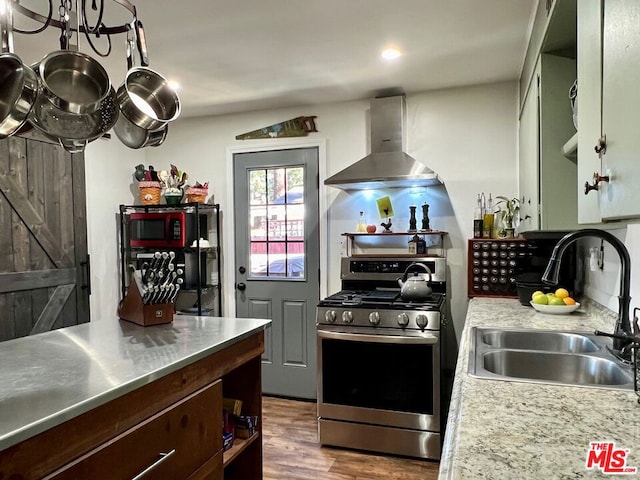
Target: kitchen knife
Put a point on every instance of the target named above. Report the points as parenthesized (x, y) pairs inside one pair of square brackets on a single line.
[(168, 293), (161, 294), (156, 258), (175, 294), (154, 294)]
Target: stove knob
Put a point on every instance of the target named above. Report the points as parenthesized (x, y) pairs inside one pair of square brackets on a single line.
[(330, 316), (422, 321), (347, 317), (374, 318), (403, 319)]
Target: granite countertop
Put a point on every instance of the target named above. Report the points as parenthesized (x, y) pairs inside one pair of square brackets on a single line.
[(54, 376), (506, 430)]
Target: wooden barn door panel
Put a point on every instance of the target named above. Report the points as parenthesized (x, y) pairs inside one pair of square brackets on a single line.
[(43, 246)]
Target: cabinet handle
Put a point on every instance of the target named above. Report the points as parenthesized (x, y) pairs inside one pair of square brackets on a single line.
[(597, 178), (163, 457), (601, 147)]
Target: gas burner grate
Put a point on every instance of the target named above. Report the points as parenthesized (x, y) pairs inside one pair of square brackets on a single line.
[(381, 298)]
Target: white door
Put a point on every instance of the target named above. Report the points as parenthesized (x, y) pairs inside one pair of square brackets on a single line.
[(277, 261)]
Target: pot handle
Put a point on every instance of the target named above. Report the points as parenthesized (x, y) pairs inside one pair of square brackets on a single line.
[(141, 40), (416, 264), (130, 47), (6, 30)]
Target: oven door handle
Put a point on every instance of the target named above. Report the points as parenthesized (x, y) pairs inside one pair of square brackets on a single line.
[(363, 337)]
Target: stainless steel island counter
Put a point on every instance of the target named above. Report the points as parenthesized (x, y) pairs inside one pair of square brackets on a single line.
[(55, 377)]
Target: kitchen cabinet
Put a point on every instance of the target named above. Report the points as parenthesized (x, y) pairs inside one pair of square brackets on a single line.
[(171, 444), (589, 51), (172, 421), (546, 123), (201, 291), (620, 197), (393, 243), (608, 101)]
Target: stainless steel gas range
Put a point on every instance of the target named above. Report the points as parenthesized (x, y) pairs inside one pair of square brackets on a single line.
[(379, 360)]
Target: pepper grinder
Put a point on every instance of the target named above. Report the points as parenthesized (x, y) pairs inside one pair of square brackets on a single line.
[(425, 217), (412, 220)]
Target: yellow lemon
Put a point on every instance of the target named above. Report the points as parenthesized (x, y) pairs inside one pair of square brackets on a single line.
[(569, 301), (562, 293), (536, 293)]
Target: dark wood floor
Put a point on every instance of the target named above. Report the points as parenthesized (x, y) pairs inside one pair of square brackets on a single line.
[(292, 452)]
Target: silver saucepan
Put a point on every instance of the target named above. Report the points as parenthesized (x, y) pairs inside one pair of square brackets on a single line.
[(134, 136), (146, 97), (18, 82), (73, 81)]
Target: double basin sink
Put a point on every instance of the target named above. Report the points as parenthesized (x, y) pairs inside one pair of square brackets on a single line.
[(542, 356)]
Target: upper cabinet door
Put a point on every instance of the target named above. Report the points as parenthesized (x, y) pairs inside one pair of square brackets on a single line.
[(589, 103), (529, 141), (620, 197)]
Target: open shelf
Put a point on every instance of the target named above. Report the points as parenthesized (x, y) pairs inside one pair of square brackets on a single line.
[(390, 234), (379, 244), (395, 255), (570, 148), (239, 445)]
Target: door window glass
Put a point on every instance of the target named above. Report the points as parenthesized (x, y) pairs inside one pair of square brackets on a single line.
[(276, 210)]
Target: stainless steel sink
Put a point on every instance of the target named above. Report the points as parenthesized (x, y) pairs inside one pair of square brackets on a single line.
[(540, 340), (541, 356)]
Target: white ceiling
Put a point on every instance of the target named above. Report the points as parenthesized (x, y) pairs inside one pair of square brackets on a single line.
[(243, 55)]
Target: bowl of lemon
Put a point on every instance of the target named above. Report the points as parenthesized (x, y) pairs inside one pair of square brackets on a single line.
[(559, 302)]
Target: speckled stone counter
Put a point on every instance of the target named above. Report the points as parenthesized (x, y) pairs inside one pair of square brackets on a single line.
[(515, 430), (52, 377)]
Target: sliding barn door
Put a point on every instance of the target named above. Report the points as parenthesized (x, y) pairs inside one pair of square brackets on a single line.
[(44, 267)]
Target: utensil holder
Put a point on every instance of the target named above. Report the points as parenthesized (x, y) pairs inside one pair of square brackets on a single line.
[(150, 192), (134, 310), (198, 195)]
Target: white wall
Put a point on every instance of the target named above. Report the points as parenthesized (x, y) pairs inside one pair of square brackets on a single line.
[(109, 176), (467, 135), (603, 286)]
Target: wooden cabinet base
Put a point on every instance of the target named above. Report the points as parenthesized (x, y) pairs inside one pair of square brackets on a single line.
[(174, 443), (134, 428)]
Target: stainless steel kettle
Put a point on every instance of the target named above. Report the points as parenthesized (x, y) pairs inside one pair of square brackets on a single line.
[(415, 288)]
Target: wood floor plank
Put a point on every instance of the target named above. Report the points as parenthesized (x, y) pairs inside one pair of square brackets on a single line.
[(292, 452)]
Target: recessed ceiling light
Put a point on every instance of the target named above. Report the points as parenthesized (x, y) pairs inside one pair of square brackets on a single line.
[(390, 53)]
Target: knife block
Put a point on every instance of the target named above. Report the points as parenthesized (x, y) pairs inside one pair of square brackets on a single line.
[(134, 310)]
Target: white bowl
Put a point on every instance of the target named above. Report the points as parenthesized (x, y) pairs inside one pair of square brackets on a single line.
[(555, 309)]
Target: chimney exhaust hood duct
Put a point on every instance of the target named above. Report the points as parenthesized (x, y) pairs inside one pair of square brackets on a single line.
[(388, 166)]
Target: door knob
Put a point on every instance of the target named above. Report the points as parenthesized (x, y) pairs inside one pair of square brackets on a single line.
[(601, 147), (241, 286), (597, 178)]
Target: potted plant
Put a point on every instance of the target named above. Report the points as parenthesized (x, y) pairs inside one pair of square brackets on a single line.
[(508, 215)]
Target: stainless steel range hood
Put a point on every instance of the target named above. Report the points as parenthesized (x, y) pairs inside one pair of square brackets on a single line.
[(388, 166)]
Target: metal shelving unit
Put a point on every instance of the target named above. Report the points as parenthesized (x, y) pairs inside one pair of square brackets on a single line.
[(193, 208)]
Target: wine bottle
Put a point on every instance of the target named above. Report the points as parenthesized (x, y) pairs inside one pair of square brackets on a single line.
[(477, 219)]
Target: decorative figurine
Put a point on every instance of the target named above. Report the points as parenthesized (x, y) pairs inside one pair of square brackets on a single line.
[(425, 217), (412, 220), (387, 226)]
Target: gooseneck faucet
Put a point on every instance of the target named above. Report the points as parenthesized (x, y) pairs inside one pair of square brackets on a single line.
[(623, 324)]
